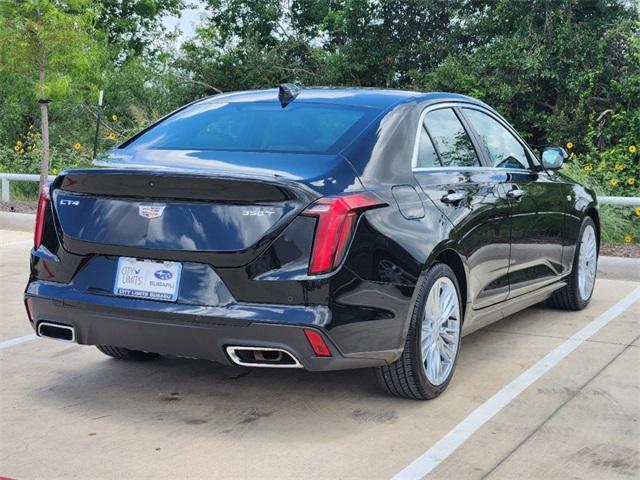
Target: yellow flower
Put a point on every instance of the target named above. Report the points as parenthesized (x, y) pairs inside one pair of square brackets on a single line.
[(619, 166), (632, 148), (114, 117), (18, 143), (77, 146), (588, 168), (55, 171), (112, 136), (614, 182), (638, 211), (631, 181), (17, 148), (628, 239), (22, 150), (569, 145)]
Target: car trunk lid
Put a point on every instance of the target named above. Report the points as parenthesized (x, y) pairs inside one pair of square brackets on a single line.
[(221, 218)]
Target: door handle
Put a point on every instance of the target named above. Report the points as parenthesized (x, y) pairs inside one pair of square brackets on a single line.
[(516, 193), (452, 197)]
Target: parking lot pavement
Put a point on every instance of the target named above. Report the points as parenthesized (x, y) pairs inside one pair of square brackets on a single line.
[(68, 411)]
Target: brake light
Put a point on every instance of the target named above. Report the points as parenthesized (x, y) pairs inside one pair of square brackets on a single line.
[(319, 346), (337, 218), (43, 202)]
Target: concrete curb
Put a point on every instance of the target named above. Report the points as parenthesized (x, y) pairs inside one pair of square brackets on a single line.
[(20, 222), (619, 268), (613, 268)]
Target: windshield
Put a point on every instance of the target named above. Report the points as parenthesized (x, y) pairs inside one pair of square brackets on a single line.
[(261, 127)]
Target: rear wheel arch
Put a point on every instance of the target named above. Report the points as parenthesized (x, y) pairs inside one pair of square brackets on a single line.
[(454, 261), (449, 257), (595, 216)]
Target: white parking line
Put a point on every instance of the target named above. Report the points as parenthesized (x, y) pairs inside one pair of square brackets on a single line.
[(17, 242), (448, 444), (17, 341)]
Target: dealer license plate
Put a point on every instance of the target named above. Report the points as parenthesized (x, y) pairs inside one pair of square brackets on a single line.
[(147, 279)]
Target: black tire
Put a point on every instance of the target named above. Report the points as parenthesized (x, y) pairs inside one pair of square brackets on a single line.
[(126, 354), (406, 377), (568, 297)]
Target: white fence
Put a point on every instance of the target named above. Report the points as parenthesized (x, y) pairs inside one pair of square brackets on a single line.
[(17, 177), (22, 177)]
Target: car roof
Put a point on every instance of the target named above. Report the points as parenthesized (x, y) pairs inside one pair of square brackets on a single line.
[(358, 97)]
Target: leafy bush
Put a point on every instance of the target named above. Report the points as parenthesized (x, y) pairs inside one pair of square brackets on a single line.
[(614, 172)]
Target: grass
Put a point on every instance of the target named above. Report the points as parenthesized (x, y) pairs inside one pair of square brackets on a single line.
[(618, 222), (23, 191)]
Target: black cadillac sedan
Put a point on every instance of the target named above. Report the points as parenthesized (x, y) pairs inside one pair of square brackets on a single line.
[(312, 228)]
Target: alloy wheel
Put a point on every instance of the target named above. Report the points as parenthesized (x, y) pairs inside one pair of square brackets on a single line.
[(587, 262), (440, 333)]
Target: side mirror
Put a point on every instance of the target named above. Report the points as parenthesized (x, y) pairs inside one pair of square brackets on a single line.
[(553, 157)]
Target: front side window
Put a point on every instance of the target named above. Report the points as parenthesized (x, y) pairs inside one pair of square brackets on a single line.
[(257, 126), (450, 139), (505, 151)]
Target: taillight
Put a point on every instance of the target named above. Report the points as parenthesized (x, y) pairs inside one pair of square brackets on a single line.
[(337, 218), (43, 202)]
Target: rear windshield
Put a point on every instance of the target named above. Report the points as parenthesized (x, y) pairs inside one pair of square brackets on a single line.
[(261, 127)]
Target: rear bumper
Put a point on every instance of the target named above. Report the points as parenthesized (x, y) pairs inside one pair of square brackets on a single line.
[(187, 330)]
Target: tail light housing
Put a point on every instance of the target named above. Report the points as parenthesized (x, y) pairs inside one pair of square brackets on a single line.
[(43, 203), (337, 217)]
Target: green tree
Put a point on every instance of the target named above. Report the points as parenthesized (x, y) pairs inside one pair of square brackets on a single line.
[(49, 49), (552, 67), (132, 26)]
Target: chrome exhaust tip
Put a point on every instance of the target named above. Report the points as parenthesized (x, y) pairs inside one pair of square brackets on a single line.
[(263, 357), (56, 331)]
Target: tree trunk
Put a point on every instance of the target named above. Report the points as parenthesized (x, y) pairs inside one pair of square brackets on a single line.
[(44, 122)]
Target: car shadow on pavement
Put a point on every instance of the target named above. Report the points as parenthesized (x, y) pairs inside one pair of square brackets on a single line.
[(215, 398), (226, 400)]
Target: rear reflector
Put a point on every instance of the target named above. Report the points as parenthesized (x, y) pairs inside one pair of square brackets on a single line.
[(43, 202), (337, 218), (29, 305), (319, 346)]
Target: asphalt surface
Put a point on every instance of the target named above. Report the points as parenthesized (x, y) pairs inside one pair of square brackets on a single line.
[(67, 411)]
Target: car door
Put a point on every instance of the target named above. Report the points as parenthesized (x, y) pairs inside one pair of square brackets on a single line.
[(537, 202), (448, 169)]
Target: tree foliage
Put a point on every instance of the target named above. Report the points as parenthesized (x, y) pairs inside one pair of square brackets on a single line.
[(52, 52), (562, 71), (58, 34), (132, 26)]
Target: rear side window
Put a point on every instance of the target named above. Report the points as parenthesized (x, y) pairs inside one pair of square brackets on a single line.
[(261, 127), (427, 156), (450, 139), (505, 151)]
